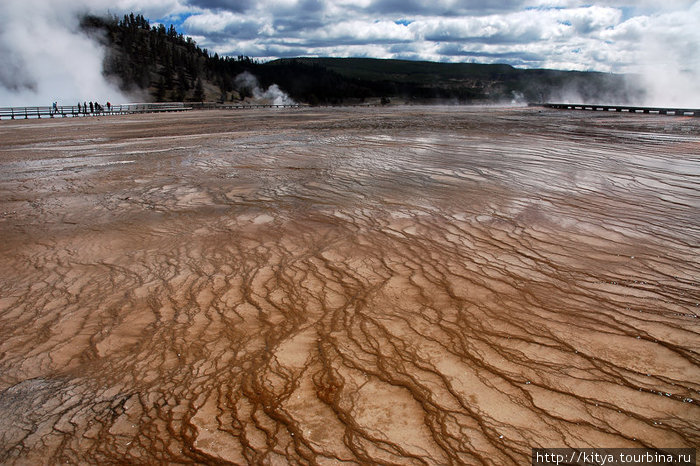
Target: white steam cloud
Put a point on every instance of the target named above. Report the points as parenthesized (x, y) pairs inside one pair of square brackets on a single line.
[(669, 71), (248, 83), (46, 58)]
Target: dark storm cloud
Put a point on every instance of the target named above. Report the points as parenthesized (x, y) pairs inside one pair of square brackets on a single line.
[(296, 24), (243, 29), (511, 57), (300, 16), (441, 7), (237, 6), (505, 37)]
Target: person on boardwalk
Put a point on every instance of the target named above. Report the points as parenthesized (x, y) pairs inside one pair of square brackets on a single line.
[(79, 107), (92, 108), (109, 107)]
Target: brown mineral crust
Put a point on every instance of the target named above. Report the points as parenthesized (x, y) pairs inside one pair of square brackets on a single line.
[(413, 285)]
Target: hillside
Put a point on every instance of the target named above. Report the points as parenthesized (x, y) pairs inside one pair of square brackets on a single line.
[(425, 72), (163, 65), (495, 82), (159, 62)]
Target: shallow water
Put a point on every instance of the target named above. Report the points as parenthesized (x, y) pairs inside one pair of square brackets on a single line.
[(413, 285)]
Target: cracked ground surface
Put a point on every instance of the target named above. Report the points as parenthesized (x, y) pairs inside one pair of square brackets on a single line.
[(391, 286)]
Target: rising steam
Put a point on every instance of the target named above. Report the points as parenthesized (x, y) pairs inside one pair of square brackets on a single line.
[(46, 58), (670, 73), (248, 84)]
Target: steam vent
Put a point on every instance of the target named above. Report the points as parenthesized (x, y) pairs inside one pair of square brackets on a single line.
[(407, 285)]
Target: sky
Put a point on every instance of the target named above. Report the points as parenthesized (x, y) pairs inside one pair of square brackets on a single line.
[(609, 36), (657, 39)]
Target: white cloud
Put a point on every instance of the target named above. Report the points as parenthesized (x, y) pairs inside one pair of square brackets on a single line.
[(362, 32), (212, 22)]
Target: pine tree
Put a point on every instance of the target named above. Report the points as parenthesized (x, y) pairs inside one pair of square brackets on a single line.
[(198, 91), (160, 90)]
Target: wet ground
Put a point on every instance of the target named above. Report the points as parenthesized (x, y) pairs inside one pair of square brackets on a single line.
[(408, 286)]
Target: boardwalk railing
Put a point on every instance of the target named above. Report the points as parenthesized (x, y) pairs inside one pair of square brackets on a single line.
[(12, 113), (624, 108), (75, 111), (220, 106), (240, 106)]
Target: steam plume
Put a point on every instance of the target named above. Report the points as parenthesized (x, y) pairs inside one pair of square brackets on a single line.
[(273, 94), (46, 58), (670, 73)]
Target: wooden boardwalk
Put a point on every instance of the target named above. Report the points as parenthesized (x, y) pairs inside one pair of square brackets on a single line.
[(64, 111), (675, 111), (13, 113), (220, 106)]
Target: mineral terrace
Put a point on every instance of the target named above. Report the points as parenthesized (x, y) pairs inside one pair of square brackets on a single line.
[(413, 285)]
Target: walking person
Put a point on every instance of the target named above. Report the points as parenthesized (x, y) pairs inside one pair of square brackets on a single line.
[(92, 108)]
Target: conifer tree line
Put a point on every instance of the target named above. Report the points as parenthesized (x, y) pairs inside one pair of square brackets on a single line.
[(170, 66)]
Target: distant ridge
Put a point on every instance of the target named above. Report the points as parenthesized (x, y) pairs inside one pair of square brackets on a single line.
[(474, 81), (403, 70)]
